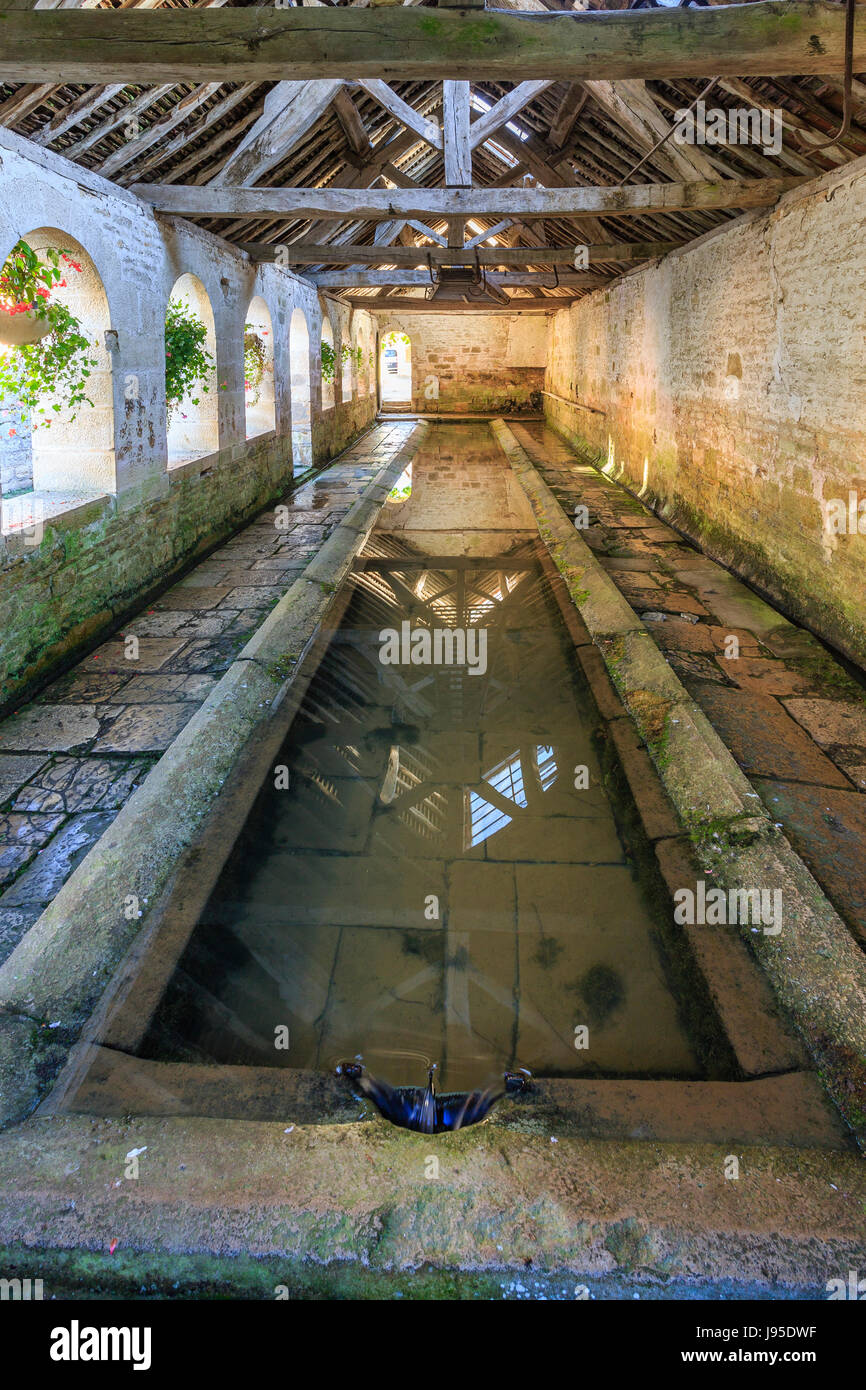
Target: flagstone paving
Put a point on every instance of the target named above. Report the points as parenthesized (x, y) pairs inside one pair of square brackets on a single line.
[(71, 757), (792, 714)]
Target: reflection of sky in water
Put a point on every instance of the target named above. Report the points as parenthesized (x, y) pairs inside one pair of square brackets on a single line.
[(484, 819)]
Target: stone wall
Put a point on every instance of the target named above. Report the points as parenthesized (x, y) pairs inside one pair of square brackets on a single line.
[(493, 363), (727, 385), (16, 459), (147, 519)]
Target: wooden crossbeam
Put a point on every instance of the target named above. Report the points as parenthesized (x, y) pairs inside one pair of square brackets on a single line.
[(569, 109), (291, 110), (352, 279), (493, 231), (353, 126), (426, 203), (305, 253), (456, 306), (424, 230), (504, 111), (395, 105), (233, 44)]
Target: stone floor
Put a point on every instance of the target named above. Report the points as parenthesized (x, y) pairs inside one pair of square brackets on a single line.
[(791, 714), (70, 758)]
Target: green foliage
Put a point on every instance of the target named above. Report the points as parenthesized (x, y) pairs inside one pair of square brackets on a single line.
[(59, 364), (393, 338), (402, 489), (329, 361), (188, 364), (255, 361)]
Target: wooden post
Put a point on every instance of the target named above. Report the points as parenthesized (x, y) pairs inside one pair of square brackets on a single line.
[(455, 129)]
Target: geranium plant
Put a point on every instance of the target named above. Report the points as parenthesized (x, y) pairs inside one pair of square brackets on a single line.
[(59, 364), (188, 364)]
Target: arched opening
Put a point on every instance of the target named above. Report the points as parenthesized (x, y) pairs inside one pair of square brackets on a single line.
[(190, 373), (395, 369), (259, 405), (56, 393), (329, 364), (299, 361), (346, 363)]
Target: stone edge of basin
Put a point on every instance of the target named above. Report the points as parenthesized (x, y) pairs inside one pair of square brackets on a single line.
[(817, 970), (60, 968), (355, 1195)]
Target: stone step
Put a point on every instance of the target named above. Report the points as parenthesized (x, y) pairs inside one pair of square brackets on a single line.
[(789, 1110)]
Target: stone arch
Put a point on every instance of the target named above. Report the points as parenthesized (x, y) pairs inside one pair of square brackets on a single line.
[(299, 363), (66, 449), (395, 368), (259, 399), (193, 423)]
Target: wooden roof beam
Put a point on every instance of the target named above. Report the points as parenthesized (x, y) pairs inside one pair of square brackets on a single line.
[(426, 203), (423, 126), (353, 126), (302, 253), (504, 111), (291, 110), (547, 279), (232, 44), (569, 109), (530, 305)]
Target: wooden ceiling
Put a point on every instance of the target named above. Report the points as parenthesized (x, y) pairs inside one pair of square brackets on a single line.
[(329, 134)]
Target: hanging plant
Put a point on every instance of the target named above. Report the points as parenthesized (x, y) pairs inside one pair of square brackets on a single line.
[(255, 361), (329, 362), (51, 356), (188, 364), (358, 355), (345, 353)]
